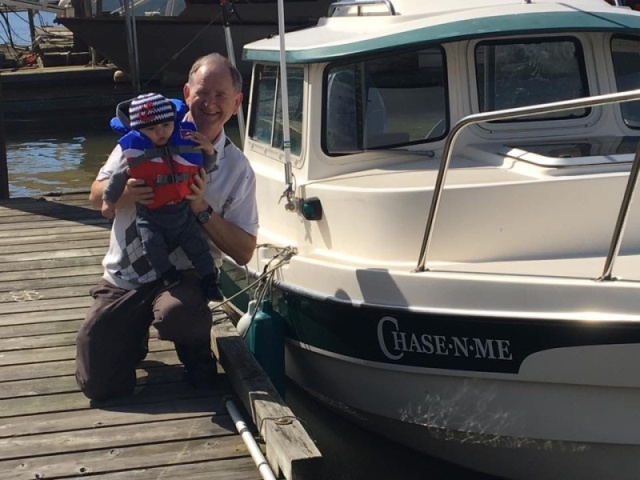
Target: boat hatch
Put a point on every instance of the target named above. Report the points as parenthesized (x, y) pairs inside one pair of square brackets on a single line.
[(587, 151), (361, 8)]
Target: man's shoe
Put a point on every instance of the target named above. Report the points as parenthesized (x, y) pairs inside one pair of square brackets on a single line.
[(201, 375), (144, 348)]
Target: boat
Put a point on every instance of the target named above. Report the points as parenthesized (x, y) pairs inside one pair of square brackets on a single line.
[(170, 35), (447, 227)]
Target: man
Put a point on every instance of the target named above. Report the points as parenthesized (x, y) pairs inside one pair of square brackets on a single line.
[(130, 297)]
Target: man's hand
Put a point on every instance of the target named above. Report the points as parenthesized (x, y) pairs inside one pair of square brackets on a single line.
[(199, 188), (202, 142)]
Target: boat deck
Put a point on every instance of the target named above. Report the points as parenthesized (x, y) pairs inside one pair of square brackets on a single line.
[(50, 255)]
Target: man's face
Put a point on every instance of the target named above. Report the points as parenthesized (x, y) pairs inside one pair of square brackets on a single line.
[(159, 134), (211, 99)]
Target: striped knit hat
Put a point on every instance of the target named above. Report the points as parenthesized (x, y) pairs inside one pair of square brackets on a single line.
[(150, 109)]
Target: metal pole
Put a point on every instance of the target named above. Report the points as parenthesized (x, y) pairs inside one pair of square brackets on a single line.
[(232, 58), (132, 45), (284, 91), (4, 169), (616, 239), (249, 441)]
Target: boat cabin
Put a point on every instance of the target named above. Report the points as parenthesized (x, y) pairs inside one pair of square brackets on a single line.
[(376, 89)]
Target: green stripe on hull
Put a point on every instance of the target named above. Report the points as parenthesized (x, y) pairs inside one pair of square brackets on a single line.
[(419, 339)]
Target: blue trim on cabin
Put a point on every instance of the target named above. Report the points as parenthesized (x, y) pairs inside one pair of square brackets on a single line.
[(504, 25)]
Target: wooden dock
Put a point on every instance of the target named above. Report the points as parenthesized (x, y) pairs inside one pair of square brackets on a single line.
[(50, 254)]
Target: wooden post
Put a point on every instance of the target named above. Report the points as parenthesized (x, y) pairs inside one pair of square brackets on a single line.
[(4, 169), (290, 451), (32, 28)]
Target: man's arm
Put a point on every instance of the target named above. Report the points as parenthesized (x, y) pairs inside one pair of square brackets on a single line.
[(230, 238), (135, 192), (227, 236)]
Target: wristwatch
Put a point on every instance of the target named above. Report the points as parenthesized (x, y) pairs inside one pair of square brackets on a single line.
[(204, 216)]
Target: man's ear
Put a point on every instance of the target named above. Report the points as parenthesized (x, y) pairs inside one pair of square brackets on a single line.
[(239, 97), (185, 92)]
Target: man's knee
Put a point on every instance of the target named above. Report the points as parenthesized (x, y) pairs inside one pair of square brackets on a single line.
[(100, 389), (182, 315)]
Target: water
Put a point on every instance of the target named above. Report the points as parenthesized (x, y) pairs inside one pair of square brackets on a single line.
[(41, 162)]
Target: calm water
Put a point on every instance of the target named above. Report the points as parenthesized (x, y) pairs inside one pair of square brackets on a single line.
[(43, 162)]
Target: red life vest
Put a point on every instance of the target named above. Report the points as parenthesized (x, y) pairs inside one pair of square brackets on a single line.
[(167, 170)]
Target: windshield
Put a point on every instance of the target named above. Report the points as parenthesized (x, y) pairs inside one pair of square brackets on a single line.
[(386, 101)]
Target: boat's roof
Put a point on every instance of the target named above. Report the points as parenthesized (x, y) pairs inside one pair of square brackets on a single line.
[(432, 21)]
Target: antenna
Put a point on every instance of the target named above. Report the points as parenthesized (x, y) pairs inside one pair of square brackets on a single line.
[(284, 91)]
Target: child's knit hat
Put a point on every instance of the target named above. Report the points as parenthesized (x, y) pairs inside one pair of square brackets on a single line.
[(150, 109)]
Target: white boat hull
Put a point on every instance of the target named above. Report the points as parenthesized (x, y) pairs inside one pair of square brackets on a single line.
[(480, 423)]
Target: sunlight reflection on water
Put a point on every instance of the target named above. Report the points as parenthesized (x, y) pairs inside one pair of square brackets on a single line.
[(58, 162)]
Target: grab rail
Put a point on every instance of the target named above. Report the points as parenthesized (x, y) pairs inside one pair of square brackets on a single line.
[(521, 112)]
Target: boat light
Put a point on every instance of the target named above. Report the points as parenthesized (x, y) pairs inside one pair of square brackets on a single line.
[(312, 209)]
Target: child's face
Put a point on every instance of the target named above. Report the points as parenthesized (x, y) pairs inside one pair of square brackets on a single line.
[(159, 134)]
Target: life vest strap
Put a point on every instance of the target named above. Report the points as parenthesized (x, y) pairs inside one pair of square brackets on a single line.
[(174, 178), (161, 152)]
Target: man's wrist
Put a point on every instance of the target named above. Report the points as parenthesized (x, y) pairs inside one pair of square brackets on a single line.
[(203, 216)]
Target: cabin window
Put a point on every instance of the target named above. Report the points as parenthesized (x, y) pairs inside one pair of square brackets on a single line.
[(265, 125), (386, 101), (625, 53), (513, 74)]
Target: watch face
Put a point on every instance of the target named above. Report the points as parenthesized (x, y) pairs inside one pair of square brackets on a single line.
[(203, 217)]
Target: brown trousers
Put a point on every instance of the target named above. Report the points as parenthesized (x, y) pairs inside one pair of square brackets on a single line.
[(111, 340)]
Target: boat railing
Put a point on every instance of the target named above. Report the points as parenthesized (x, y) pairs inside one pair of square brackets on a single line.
[(358, 4), (544, 108)]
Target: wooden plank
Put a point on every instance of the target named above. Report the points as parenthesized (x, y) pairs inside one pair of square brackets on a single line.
[(11, 225), (44, 305), (42, 317), (233, 469), (99, 241), (17, 343), (66, 401), (8, 235), (39, 222), (58, 271), (43, 294), (53, 217), (24, 446), (122, 458), (18, 356), (37, 284), (49, 263), (47, 328), (64, 367), (26, 337), (64, 236), (30, 257), (290, 450), (98, 417)]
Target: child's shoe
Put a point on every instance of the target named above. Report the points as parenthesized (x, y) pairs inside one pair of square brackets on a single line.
[(211, 288), (171, 278)]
